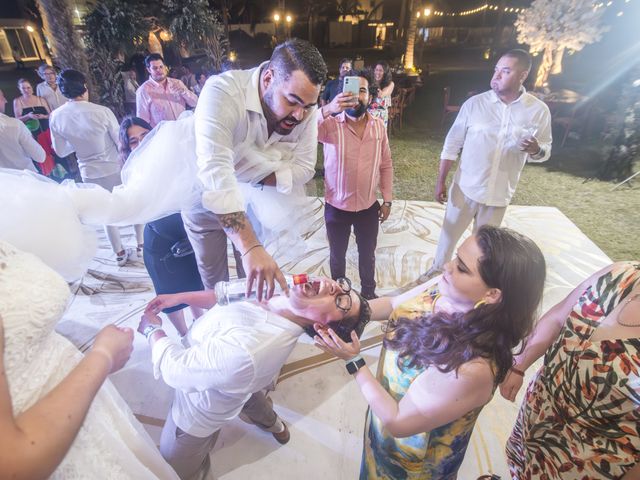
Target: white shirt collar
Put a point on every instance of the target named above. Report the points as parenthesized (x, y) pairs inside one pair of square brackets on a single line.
[(253, 92)]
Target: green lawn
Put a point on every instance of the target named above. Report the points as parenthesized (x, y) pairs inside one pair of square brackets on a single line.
[(610, 219)]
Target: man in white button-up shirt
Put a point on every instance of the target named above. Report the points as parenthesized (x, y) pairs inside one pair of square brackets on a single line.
[(17, 146), (498, 131), (255, 126), (236, 351)]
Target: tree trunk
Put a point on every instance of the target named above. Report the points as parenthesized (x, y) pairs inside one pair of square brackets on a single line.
[(411, 36), (556, 68), (67, 50), (402, 20), (544, 68)]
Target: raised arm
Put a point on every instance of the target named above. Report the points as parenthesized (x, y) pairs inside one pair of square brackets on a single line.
[(433, 399), (545, 333), (36, 441)]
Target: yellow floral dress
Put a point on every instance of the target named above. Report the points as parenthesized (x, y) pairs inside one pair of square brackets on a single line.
[(437, 454), (580, 418)]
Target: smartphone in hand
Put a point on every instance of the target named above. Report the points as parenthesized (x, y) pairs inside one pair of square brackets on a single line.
[(351, 85)]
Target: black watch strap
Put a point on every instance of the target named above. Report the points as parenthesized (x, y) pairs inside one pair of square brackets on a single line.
[(355, 365)]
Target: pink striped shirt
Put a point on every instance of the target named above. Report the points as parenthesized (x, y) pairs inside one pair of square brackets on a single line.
[(156, 102), (355, 167)]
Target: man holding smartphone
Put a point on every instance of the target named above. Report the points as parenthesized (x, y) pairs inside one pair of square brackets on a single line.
[(357, 162)]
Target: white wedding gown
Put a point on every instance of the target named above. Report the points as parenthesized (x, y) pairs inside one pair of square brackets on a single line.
[(111, 443)]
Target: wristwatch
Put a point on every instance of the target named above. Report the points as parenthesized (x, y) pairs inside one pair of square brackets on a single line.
[(149, 329), (388, 204), (355, 365)]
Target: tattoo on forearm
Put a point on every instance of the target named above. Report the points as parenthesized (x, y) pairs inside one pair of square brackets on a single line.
[(233, 222)]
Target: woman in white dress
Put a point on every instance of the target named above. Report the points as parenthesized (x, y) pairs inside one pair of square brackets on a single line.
[(57, 417)]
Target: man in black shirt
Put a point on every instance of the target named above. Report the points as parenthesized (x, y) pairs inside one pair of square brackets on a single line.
[(334, 87)]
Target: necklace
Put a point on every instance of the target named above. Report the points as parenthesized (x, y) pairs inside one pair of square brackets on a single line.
[(627, 302)]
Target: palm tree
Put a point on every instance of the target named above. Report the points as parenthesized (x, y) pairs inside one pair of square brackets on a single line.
[(411, 35), (65, 42)]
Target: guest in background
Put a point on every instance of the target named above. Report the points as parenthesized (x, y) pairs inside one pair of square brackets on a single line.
[(495, 134), (170, 272), (201, 79), (357, 162), (91, 131), (130, 86), (334, 87), (18, 149), (48, 89), (34, 112), (382, 100), (580, 416), (162, 98), (188, 78)]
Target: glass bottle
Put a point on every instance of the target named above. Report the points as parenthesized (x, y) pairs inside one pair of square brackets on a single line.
[(236, 290)]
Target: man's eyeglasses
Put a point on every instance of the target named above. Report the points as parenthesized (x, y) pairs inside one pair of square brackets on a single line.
[(343, 300)]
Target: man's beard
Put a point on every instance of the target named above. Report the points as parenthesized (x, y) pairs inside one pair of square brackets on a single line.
[(273, 122), (358, 111)]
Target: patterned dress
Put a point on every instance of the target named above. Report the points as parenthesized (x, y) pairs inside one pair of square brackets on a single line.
[(435, 455), (380, 108), (581, 415)]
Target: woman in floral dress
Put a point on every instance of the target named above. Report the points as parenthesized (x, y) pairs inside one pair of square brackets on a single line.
[(580, 418), (380, 104)]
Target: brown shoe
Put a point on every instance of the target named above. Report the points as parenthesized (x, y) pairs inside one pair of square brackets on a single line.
[(279, 429), (284, 436)]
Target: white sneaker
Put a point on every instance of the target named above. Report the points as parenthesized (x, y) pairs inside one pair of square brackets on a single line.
[(121, 260)]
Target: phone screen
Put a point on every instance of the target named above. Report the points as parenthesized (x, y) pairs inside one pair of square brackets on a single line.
[(352, 85)]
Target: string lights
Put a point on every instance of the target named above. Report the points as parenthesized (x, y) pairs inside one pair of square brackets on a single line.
[(488, 7)]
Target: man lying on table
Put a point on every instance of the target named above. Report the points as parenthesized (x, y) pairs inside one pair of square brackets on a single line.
[(236, 351)]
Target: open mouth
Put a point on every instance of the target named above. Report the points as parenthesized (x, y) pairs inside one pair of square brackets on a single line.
[(311, 289), (288, 124)]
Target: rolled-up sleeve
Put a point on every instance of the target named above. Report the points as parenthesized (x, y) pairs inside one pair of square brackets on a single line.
[(213, 365), (455, 138), (216, 118), (305, 155), (543, 135)]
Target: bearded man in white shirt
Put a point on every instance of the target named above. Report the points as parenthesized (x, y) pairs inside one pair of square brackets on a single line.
[(498, 131), (237, 351), (258, 127)]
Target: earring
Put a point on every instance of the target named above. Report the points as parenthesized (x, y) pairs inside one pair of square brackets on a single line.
[(479, 303)]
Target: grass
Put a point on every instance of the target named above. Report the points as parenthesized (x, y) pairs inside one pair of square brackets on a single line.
[(610, 219)]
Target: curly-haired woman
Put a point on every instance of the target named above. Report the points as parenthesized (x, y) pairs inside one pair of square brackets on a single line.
[(448, 345)]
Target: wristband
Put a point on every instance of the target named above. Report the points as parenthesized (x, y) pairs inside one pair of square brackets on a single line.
[(517, 371), (388, 204), (354, 365), (149, 329), (251, 248)]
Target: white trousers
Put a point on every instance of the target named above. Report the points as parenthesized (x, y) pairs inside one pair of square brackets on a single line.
[(457, 217)]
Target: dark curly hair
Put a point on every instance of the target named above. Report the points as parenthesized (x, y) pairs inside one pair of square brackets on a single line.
[(510, 262), (296, 54), (386, 77)]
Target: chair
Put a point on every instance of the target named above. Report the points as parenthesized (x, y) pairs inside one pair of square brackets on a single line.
[(447, 109)]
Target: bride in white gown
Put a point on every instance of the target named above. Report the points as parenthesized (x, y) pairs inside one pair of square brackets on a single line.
[(40, 368)]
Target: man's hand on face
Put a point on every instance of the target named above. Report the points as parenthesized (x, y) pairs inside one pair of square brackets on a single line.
[(341, 102), (262, 270)]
